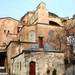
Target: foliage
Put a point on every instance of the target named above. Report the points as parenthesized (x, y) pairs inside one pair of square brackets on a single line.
[(54, 72), (60, 39), (66, 61)]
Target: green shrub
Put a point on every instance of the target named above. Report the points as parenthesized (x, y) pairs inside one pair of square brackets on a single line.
[(54, 72)]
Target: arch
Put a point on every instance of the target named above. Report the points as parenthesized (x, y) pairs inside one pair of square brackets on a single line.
[(2, 61), (32, 67), (51, 35), (32, 35), (53, 23)]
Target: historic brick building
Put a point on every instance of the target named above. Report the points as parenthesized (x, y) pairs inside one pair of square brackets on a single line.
[(7, 26), (38, 59), (17, 36)]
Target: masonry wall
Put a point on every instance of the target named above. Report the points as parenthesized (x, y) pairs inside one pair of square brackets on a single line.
[(44, 61), (11, 51), (24, 33), (14, 49), (18, 65), (56, 19), (70, 24), (44, 29), (7, 26)]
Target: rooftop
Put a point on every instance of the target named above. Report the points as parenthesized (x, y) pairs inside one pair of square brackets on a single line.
[(46, 48)]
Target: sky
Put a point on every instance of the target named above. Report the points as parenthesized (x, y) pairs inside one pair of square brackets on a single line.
[(17, 8)]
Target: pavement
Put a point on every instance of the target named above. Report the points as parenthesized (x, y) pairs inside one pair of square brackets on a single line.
[(3, 74), (70, 70)]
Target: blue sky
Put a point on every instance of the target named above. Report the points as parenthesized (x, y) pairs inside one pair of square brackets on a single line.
[(17, 8)]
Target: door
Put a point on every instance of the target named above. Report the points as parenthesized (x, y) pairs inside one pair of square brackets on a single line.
[(2, 61), (32, 68)]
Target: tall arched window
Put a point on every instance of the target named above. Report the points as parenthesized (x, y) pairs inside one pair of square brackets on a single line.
[(32, 68), (32, 36), (51, 36), (4, 38)]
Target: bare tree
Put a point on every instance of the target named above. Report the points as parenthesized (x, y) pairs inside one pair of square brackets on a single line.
[(60, 39)]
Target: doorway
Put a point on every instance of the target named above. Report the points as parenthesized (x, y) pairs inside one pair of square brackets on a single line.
[(2, 61), (32, 68)]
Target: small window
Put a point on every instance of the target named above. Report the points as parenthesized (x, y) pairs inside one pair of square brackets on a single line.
[(23, 21), (20, 66), (64, 21), (19, 28), (74, 55), (4, 31), (8, 31), (17, 65)]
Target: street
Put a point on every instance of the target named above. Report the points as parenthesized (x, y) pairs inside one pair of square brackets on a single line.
[(70, 70)]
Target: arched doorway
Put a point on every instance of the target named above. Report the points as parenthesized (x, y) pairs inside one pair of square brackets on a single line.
[(2, 61), (32, 68)]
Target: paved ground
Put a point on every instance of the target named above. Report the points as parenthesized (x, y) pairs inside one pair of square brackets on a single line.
[(3, 74), (70, 70)]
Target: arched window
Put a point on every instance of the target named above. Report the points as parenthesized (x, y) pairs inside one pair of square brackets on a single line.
[(4, 31), (32, 68), (32, 36), (53, 23), (51, 36), (4, 38)]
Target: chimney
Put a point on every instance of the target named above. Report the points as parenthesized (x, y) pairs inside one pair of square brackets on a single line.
[(40, 42)]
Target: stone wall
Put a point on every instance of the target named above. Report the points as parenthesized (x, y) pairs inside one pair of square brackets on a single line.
[(18, 65), (59, 42), (44, 61), (14, 48)]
